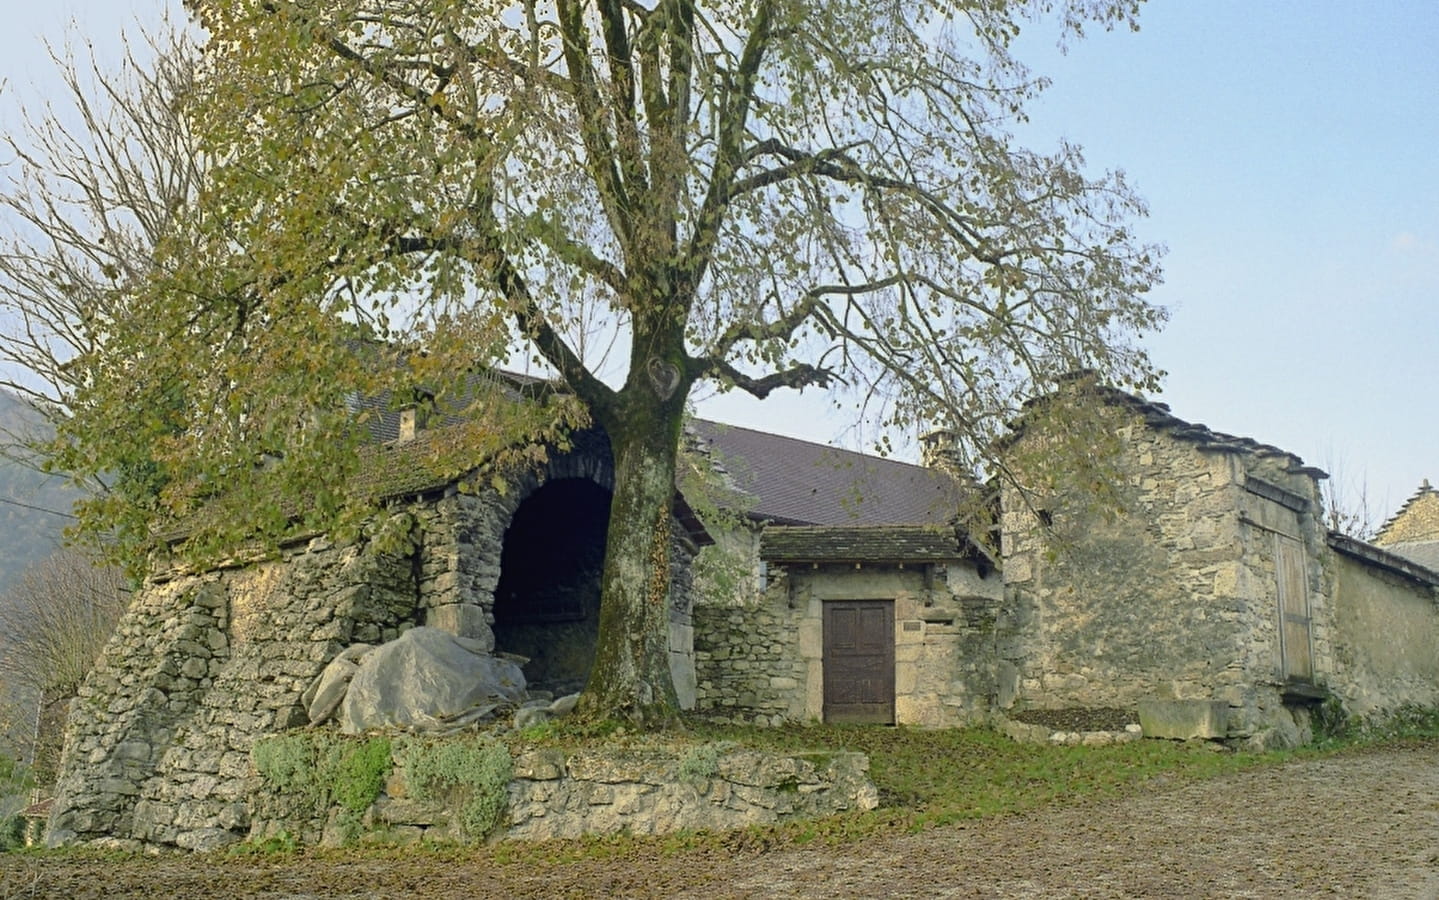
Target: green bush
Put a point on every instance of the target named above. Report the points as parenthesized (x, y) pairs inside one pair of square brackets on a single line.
[(472, 775), (322, 769), (357, 772), (701, 763)]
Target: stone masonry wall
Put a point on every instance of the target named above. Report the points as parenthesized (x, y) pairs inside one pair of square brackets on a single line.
[(158, 740), (559, 793), (762, 661), (1386, 639)]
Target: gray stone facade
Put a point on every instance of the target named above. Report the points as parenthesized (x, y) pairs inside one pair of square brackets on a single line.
[(1205, 580), (1174, 598)]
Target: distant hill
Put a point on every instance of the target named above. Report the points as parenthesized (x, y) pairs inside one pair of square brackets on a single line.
[(32, 504)]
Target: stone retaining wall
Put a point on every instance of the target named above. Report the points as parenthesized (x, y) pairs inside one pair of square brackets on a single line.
[(558, 793)]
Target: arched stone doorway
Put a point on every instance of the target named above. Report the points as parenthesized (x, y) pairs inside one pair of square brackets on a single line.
[(547, 600)]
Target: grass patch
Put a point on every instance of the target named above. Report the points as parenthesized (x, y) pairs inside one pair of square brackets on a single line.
[(474, 776), (933, 777), (315, 770), (1336, 731)]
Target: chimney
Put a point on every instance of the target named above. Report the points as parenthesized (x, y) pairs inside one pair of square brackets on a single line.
[(407, 424), (939, 449)]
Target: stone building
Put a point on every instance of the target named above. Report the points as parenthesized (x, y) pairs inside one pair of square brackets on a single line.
[(870, 604), (1413, 531), (840, 588), (1215, 591)]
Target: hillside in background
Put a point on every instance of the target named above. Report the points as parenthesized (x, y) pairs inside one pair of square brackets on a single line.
[(31, 502)]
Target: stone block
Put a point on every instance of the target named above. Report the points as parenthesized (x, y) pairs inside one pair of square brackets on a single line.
[(1183, 719), (462, 620)]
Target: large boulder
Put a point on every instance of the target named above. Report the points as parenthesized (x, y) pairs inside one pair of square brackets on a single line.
[(428, 680)]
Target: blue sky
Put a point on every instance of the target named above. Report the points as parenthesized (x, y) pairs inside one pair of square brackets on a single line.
[(1289, 152)]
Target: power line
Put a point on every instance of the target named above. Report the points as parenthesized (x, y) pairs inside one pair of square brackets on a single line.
[(53, 512)]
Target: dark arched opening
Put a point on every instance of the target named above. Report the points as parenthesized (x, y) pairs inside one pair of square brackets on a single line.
[(547, 601)]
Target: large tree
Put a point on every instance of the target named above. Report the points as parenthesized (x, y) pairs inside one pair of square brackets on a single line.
[(759, 194)]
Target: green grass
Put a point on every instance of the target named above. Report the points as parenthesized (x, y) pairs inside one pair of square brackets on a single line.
[(933, 777)]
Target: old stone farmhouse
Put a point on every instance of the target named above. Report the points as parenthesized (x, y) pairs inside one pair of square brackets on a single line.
[(843, 590)]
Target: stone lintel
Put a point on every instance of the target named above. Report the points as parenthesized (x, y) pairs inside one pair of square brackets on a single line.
[(1184, 719)]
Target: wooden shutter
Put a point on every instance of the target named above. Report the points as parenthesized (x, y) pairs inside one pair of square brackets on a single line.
[(1296, 660)]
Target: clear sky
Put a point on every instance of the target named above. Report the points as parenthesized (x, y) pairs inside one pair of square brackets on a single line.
[(1289, 151)]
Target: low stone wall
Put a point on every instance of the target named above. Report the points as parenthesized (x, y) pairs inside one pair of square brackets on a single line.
[(560, 793)]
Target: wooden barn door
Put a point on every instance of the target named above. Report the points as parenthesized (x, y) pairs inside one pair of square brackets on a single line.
[(1296, 660), (859, 661)]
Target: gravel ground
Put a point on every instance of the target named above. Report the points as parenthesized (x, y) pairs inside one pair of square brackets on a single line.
[(1364, 824)]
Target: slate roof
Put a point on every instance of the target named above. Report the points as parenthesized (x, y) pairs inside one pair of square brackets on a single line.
[(1156, 415), (1390, 558), (862, 543), (795, 482), (1425, 553)]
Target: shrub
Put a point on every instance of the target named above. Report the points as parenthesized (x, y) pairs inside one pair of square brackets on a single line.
[(702, 762), (473, 776), (319, 770)]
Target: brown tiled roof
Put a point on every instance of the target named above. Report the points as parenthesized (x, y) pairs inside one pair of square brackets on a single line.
[(794, 482), (869, 544)]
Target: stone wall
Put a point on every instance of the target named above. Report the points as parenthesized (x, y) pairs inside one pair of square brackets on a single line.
[(1165, 591), (565, 795), (762, 660), (559, 793), (158, 741), (1386, 629)]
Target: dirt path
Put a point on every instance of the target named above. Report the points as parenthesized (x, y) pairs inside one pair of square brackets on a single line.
[(1359, 825)]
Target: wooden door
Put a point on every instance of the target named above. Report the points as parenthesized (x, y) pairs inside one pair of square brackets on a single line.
[(859, 661), (1296, 660)]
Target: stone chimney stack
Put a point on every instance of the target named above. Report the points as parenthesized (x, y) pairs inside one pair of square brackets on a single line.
[(939, 449)]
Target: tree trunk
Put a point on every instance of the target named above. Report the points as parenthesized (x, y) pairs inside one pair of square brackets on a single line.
[(631, 676)]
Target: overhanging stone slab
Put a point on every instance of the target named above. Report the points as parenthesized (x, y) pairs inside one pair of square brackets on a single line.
[(1184, 719)]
